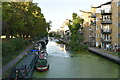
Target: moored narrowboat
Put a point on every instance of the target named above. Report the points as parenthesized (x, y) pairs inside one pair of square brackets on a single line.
[(42, 62), (25, 68)]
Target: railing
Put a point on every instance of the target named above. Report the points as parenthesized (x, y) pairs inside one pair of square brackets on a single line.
[(106, 21), (106, 40), (106, 11), (106, 31), (93, 16), (91, 36), (93, 23)]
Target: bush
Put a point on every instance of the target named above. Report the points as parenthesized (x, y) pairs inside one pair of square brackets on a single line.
[(12, 45), (6, 48), (77, 47), (57, 35), (17, 43)]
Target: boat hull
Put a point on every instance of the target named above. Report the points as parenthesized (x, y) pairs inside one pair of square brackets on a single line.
[(42, 69)]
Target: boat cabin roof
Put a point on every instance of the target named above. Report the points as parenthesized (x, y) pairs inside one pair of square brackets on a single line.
[(25, 62)]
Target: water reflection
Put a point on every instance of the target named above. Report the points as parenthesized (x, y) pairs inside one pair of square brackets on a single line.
[(58, 50), (63, 48)]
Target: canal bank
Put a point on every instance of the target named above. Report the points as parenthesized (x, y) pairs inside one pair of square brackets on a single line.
[(6, 70), (113, 58), (110, 57)]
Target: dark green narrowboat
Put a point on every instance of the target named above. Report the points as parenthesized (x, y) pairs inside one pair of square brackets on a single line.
[(25, 68)]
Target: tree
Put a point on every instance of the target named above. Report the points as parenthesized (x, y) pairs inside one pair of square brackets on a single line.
[(74, 26), (24, 19)]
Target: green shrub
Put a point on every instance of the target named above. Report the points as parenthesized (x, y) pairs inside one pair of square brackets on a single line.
[(17, 43), (57, 35), (6, 48), (12, 45), (77, 47)]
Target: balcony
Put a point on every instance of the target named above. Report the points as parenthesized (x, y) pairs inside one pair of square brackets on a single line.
[(93, 23), (81, 32), (107, 31), (106, 22), (93, 16), (91, 36), (81, 27), (106, 12), (106, 40)]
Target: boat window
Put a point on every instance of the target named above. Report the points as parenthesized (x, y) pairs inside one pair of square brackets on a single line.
[(42, 61)]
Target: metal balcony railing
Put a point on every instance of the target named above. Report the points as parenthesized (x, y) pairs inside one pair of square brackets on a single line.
[(93, 16), (93, 23), (106, 40), (106, 22), (106, 12), (91, 36), (106, 31)]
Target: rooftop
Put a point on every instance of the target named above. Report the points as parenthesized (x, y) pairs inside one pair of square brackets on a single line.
[(107, 3)]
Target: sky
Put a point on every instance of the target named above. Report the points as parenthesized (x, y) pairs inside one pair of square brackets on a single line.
[(58, 11)]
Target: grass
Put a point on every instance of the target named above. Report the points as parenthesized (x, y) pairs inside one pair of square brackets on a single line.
[(10, 56), (7, 73), (6, 60)]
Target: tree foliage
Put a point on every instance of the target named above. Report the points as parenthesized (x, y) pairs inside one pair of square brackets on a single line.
[(76, 37), (23, 18)]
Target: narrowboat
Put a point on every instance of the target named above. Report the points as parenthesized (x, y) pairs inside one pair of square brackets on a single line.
[(42, 62), (24, 68)]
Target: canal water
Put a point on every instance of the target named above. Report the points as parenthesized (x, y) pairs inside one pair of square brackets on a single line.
[(66, 64)]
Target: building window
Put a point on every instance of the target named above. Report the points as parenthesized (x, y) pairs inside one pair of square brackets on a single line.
[(97, 27), (97, 35), (118, 24), (97, 19), (96, 44), (101, 26), (119, 14), (101, 35), (118, 4), (118, 35)]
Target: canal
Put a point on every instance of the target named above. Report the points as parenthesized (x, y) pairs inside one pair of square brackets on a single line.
[(66, 64)]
